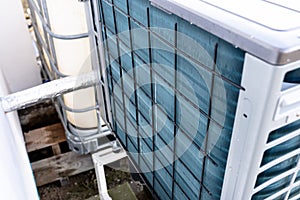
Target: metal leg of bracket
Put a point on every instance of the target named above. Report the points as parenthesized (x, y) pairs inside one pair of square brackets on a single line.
[(100, 159), (101, 180)]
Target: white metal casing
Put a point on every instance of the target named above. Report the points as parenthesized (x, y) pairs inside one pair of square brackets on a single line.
[(256, 116), (269, 32), (266, 29)]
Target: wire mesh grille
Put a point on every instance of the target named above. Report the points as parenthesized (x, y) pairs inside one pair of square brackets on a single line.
[(152, 77)]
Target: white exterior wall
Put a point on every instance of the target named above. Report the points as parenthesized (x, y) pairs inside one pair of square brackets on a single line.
[(17, 181), (18, 65), (17, 58)]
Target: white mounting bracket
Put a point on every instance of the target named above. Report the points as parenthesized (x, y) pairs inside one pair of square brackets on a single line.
[(100, 159)]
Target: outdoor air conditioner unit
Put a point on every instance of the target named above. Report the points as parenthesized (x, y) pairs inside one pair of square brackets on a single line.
[(204, 95)]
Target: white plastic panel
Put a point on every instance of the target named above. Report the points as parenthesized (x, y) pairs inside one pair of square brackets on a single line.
[(290, 4), (289, 105), (262, 12), (266, 30), (263, 108)]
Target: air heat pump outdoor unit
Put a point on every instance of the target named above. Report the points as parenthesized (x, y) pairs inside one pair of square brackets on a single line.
[(205, 95)]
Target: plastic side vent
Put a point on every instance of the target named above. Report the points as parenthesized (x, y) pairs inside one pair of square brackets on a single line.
[(279, 175)]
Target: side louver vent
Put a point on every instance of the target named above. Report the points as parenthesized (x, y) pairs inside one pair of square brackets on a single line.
[(279, 165)]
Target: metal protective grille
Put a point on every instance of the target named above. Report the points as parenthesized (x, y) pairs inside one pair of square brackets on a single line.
[(173, 93), (85, 129)]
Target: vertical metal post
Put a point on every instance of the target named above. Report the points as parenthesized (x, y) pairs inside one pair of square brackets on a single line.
[(121, 72), (38, 42), (108, 65), (99, 47), (152, 88), (134, 82), (49, 39), (95, 64), (175, 111), (208, 123)]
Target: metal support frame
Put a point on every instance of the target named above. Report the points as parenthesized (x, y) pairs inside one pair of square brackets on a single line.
[(99, 55), (107, 156), (86, 144), (111, 151), (77, 142), (100, 159)]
